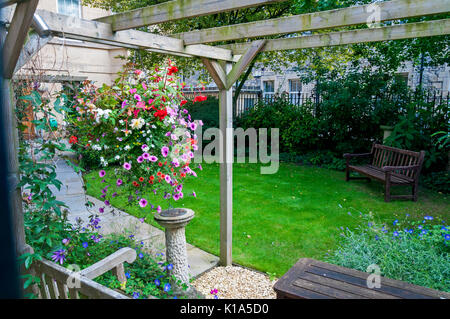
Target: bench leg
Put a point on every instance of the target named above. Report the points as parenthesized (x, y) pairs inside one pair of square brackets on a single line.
[(414, 192), (347, 174), (387, 188)]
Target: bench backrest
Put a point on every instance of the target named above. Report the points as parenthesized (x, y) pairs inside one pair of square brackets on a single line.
[(390, 156), (57, 282)]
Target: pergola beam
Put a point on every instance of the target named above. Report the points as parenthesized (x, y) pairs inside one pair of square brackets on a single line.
[(17, 33), (217, 73), (175, 10), (390, 10), (93, 31), (33, 45), (395, 32)]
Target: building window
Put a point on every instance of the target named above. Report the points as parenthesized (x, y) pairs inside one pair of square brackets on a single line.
[(70, 7), (402, 77), (295, 90), (269, 90)]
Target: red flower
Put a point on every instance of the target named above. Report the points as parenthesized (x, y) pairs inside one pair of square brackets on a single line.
[(73, 139), (141, 179), (200, 98), (161, 114), (152, 177), (135, 184), (172, 70), (183, 102), (160, 164), (183, 175)]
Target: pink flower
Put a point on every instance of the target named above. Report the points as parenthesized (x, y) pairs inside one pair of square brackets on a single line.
[(101, 173), (192, 126), (194, 194), (153, 158), (140, 105), (165, 151), (137, 97), (127, 166), (144, 86), (150, 101), (132, 91), (158, 209), (124, 103), (146, 156), (140, 159), (137, 72), (143, 202), (119, 182)]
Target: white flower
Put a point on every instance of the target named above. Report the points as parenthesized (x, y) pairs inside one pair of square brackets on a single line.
[(137, 123), (117, 157), (96, 147), (127, 147)]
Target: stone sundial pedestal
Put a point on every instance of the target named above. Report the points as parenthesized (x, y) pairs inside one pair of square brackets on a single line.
[(174, 221)]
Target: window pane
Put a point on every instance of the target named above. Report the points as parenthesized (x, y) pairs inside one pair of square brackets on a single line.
[(295, 85), (69, 7), (268, 86)]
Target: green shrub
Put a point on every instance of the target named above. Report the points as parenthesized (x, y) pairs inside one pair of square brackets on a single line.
[(438, 181), (207, 111), (413, 251)]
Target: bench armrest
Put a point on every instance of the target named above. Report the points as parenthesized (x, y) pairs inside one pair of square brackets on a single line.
[(112, 262), (395, 168), (348, 155)]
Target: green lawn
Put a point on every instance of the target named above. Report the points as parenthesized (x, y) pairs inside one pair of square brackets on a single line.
[(280, 218)]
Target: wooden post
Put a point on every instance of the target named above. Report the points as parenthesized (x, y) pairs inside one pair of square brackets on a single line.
[(226, 171)]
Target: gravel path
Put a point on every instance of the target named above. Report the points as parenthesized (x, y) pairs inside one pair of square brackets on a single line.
[(234, 282)]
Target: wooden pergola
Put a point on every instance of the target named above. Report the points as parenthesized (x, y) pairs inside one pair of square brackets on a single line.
[(224, 63)]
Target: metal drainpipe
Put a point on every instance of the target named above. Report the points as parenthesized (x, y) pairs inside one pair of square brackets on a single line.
[(39, 25)]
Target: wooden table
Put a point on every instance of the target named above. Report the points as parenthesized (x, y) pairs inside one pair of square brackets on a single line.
[(312, 279)]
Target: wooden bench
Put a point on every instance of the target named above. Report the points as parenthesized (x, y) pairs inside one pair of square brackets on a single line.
[(312, 279), (390, 165), (57, 282)]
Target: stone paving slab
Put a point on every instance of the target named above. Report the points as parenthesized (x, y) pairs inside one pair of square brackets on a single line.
[(72, 193)]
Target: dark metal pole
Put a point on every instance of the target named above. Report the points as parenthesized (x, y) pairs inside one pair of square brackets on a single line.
[(10, 287)]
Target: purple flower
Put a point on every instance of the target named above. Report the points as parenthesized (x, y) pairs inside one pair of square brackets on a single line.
[(102, 173), (447, 236), (146, 156), (167, 287), (59, 256), (85, 244), (194, 194), (179, 188), (192, 126), (107, 203), (200, 167), (158, 209), (157, 282), (144, 146), (135, 295), (127, 274), (101, 210), (176, 196), (169, 267), (119, 182), (124, 103), (140, 159), (114, 194), (153, 158), (65, 241), (127, 166), (141, 255), (165, 151), (143, 202)]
